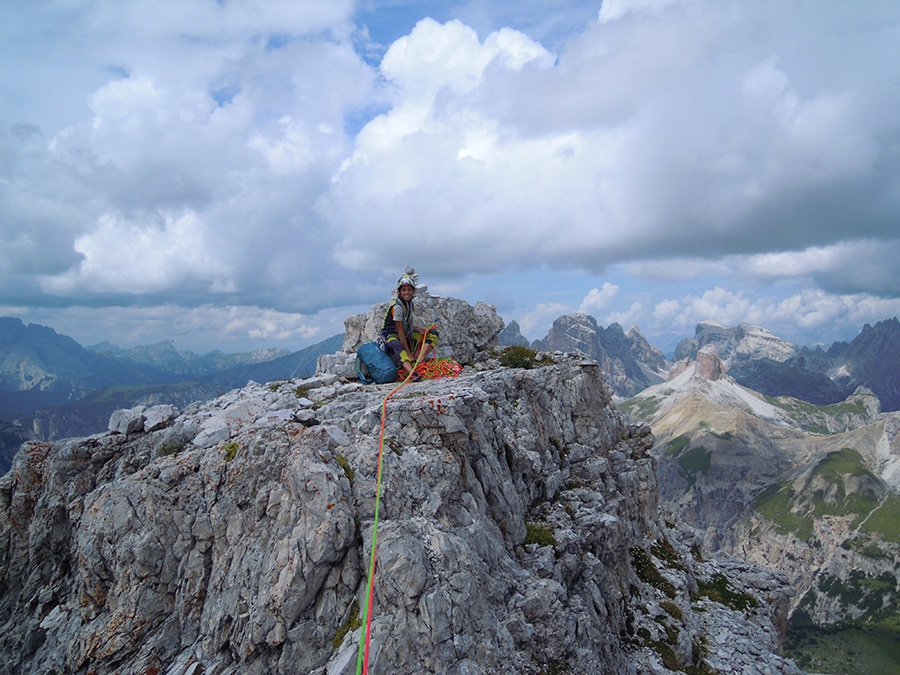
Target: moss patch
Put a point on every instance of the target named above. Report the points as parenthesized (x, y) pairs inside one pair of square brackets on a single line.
[(717, 589), (352, 623), (536, 534), (345, 465), (664, 550), (229, 451), (649, 573)]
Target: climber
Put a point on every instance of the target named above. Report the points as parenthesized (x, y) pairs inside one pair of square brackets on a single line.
[(402, 337)]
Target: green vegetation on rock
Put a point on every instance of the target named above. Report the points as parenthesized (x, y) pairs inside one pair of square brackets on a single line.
[(774, 503), (885, 520), (536, 534), (649, 573), (518, 356), (839, 485), (676, 445), (229, 451), (694, 461), (717, 589), (641, 408), (866, 645)]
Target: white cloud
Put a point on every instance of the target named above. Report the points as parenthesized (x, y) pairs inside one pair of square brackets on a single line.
[(536, 323), (805, 315), (616, 9), (633, 316), (127, 257), (576, 162), (245, 154), (597, 299)]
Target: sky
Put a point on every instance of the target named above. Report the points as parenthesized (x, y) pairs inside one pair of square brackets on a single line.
[(243, 174)]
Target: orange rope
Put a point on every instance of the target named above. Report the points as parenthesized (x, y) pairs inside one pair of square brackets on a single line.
[(434, 369), (430, 369)]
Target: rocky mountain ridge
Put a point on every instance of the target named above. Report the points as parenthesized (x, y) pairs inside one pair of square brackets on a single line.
[(809, 491), (519, 532), (37, 359), (112, 378), (629, 362), (761, 361)]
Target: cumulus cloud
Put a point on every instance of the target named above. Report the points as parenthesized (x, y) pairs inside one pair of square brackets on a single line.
[(245, 154), (677, 132), (807, 315), (537, 322), (597, 299)]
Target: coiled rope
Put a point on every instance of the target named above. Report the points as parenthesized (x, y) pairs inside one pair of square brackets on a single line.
[(429, 369)]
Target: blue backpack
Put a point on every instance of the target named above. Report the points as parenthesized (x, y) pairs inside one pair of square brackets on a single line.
[(373, 365)]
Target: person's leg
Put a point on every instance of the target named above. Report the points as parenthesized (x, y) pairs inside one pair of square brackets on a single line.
[(430, 343), (397, 353)]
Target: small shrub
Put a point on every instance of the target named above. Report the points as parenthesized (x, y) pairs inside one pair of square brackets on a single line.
[(353, 623), (172, 449), (301, 392), (345, 465), (229, 451), (542, 536), (518, 357), (716, 589)]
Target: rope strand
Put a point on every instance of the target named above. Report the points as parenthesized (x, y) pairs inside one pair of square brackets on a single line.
[(440, 368)]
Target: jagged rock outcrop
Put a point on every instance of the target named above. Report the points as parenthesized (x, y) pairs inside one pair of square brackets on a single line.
[(518, 533), (740, 343), (761, 361), (628, 361), (871, 360), (511, 336)]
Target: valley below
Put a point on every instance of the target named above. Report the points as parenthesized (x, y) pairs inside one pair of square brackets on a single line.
[(809, 491)]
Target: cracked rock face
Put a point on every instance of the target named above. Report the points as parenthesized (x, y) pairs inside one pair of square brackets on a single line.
[(515, 506)]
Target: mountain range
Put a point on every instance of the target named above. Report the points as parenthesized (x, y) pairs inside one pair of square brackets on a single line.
[(808, 490), (520, 533), (752, 355), (51, 387), (784, 456)]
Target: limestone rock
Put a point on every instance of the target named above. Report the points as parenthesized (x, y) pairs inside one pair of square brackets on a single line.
[(709, 365), (127, 421), (629, 362), (512, 336), (464, 330), (518, 528)]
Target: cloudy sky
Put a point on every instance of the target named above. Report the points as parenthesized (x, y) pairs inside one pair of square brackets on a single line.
[(237, 174)]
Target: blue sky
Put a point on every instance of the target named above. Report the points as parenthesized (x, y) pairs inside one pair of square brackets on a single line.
[(243, 174)]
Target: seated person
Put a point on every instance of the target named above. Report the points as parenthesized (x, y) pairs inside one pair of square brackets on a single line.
[(400, 334)]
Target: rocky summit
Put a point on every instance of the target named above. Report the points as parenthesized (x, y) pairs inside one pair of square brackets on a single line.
[(519, 531)]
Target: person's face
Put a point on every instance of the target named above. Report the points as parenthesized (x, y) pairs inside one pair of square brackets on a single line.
[(407, 292)]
